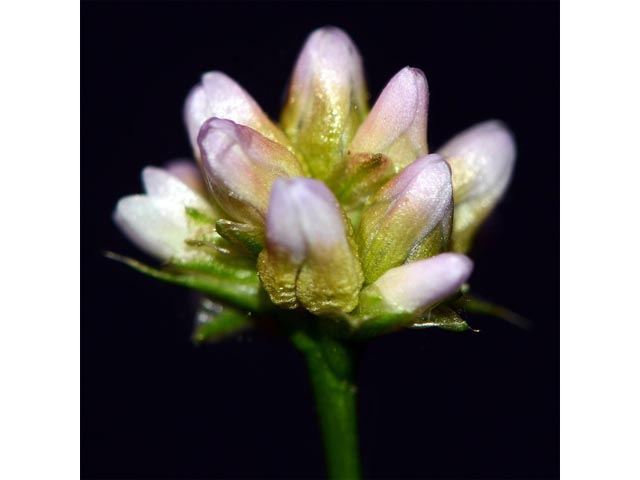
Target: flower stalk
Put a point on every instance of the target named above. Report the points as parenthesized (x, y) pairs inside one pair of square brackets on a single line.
[(331, 373)]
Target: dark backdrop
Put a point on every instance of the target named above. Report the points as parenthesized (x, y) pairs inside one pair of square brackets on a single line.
[(432, 403)]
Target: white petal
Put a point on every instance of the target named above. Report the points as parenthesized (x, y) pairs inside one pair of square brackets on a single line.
[(156, 225), (161, 184), (188, 172), (422, 284)]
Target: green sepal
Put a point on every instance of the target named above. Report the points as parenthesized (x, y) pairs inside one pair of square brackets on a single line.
[(442, 317), (375, 317), (247, 236), (215, 321), (472, 304), (377, 325), (238, 287), (362, 176)]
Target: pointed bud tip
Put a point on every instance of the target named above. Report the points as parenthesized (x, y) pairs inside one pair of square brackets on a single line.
[(218, 95), (430, 173), (329, 55), (397, 123), (330, 41), (482, 159), (491, 138)]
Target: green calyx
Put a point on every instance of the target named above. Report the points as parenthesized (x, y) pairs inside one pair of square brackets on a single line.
[(247, 236)]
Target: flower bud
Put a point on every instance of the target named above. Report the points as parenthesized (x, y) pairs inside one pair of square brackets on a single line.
[(188, 173), (157, 222), (481, 160), (408, 219), (327, 100), (240, 166), (418, 286), (217, 95), (397, 124), (309, 258)]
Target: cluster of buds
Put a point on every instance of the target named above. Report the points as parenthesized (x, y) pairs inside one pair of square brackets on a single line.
[(340, 211)]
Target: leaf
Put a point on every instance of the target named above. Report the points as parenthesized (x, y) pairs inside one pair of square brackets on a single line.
[(215, 321), (472, 304), (442, 317), (380, 324), (243, 290)]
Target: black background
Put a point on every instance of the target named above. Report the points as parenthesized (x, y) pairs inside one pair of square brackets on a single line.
[(432, 403)]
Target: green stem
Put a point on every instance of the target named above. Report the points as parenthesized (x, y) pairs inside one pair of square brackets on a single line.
[(330, 366)]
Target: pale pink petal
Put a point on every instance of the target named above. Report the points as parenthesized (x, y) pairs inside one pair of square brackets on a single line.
[(188, 172), (219, 96), (162, 184), (422, 284), (482, 159), (304, 214), (241, 165), (397, 123), (326, 102)]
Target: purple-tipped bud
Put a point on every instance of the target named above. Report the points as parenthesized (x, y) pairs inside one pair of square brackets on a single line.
[(408, 219), (217, 95), (309, 258), (188, 172), (482, 160), (240, 166), (397, 124), (157, 222), (327, 100), (420, 285)]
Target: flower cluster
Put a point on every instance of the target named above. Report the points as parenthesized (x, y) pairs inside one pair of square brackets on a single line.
[(339, 211)]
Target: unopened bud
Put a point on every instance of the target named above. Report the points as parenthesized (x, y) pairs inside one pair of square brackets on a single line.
[(310, 258), (481, 160), (327, 100), (240, 166), (408, 219)]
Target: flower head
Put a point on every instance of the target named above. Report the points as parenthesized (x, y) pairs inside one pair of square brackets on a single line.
[(338, 212)]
